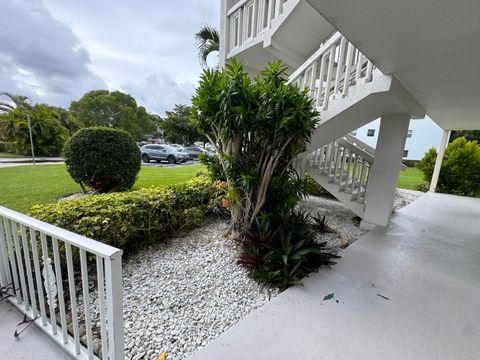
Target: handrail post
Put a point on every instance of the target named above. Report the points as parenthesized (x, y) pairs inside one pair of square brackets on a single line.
[(438, 162), (114, 290)]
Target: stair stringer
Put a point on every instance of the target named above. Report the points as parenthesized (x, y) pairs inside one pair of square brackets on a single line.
[(356, 207), (365, 102)]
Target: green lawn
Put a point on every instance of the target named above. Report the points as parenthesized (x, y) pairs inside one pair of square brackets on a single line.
[(23, 186), (409, 178)]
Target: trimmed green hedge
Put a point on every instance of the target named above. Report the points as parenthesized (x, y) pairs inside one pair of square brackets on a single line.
[(135, 218)]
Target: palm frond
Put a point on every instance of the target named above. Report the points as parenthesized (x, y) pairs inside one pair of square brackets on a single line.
[(208, 41)]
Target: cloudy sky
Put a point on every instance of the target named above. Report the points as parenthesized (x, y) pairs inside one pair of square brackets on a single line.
[(56, 50)]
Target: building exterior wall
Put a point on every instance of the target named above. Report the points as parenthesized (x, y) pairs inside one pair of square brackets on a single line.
[(425, 134)]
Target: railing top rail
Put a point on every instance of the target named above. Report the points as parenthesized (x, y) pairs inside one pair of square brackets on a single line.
[(82, 242), (356, 150), (321, 50), (237, 6), (355, 140)]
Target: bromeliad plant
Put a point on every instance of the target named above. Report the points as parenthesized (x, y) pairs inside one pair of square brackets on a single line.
[(258, 126), (280, 251)]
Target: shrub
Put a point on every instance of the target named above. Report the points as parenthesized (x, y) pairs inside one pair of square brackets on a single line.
[(103, 159), (409, 163), (130, 219), (423, 186), (280, 251), (214, 167), (460, 172), (314, 188)]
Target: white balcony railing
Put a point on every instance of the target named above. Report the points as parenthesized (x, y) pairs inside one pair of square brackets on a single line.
[(54, 275), (249, 18), (345, 165), (332, 69)]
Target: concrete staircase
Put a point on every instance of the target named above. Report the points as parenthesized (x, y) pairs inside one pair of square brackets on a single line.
[(348, 92)]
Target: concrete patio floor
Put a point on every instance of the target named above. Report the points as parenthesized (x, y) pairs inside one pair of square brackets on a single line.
[(31, 344), (409, 291)]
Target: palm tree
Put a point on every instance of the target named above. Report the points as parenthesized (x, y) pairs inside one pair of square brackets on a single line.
[(208, 41), (16, 101)]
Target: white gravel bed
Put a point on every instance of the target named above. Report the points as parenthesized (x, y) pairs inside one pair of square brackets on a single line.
[(343, 220), (180, 294)]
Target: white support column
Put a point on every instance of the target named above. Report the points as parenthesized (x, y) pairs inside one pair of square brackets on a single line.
[(382, 182), (224, 34), (438, 162)]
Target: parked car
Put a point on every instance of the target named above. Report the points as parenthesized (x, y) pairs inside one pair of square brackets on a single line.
[(194, 151), (176, 146), (163, 153)]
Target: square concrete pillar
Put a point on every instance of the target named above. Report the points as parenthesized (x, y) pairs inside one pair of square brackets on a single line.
[(383, 177)]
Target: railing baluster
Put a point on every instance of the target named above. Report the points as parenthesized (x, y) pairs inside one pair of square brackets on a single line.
[(362, 178), (38, 276), (320, 84), (86, 302), (340, 65), (73, 297), (354, 176), (28, 265), (359, 66), (102, 304), (329, 78), (13, 262), (50, 295), (21, 272), (368, 74), (61, 298), (348, 67), (6, 273)]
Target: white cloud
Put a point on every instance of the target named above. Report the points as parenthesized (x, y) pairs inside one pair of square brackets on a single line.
[(159, 92), (42, 57)]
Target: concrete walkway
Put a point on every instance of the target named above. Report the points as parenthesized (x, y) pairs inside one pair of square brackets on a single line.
[(31, 344), (411, 291)]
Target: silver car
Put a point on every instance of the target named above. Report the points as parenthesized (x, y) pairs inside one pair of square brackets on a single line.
[(163, 153)]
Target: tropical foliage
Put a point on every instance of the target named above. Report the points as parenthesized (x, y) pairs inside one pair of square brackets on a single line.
[(460, 172), (259, 126), (51, 126), (208, 41)]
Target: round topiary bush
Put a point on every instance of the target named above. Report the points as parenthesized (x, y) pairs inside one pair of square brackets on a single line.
[(103, 159)]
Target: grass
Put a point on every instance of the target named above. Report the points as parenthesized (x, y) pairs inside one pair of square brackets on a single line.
[(409, 178), (23, 186)]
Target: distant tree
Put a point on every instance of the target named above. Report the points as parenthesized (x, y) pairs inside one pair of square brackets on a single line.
[(177, 127), (208, 41), (48, 132), (470, 135), (115, 110)]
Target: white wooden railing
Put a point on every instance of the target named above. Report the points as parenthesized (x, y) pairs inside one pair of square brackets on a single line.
[(249, 18), (332, 69), (345, 165), (49, 269)]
